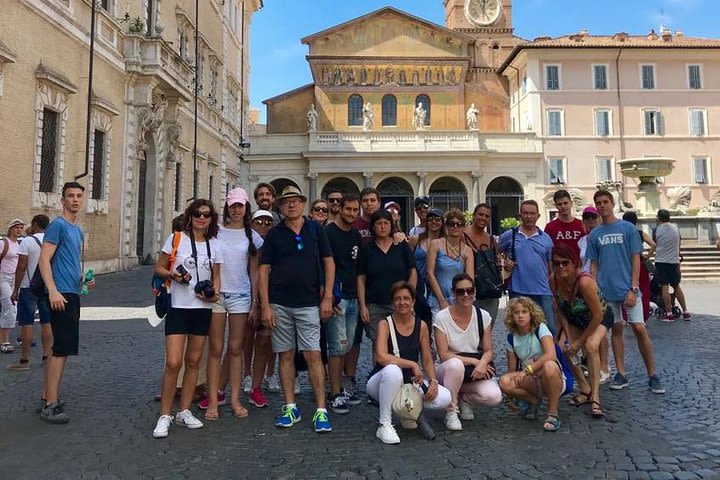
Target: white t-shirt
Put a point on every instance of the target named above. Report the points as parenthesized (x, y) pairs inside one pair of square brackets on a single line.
[(183, 296), (461, 340), (582, 244), (234, 273), (9, 261), (30, 248)]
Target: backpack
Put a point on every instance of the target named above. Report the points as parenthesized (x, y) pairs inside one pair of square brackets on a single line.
[(488, 278), (564, 364)]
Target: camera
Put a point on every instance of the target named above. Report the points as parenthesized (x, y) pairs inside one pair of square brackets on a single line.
[(206, 288)]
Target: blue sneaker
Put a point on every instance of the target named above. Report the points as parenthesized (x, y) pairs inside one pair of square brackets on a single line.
[(290, 416), (619, 382), (656, 386), (321, 422)]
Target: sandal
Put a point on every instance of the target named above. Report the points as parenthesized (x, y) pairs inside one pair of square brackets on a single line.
[(7, 347), (551, 423), (240, 411), (530, 412), (212, 415), (580, 399), (596, 410)]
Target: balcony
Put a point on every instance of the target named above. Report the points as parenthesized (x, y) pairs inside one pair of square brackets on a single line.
[(152, 56)]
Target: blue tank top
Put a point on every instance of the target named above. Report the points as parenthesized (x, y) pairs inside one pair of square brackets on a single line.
[(445, 269), (421, 267)]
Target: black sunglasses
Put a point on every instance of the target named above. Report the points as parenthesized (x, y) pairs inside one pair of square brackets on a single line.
[(198, 214), (299, 243), (455, 224), (561, 263), (320, 209), (424, 206), (459, 292), (266, 223), (335, 199)]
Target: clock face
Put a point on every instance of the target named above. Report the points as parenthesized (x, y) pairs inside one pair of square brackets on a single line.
[(482, 12)]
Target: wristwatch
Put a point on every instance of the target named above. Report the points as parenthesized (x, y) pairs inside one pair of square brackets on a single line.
[(635, 290)]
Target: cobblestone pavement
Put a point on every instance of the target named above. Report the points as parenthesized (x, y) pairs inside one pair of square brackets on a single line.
[(109, 393)]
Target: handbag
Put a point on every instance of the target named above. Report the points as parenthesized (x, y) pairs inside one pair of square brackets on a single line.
[(469, 369), (408, 401), (163, 301)]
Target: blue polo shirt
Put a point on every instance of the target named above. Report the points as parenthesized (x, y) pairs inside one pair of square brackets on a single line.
[(532, 254), (613, 246)]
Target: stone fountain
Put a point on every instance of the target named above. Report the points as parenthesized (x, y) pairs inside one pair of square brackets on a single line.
[(647, 169)]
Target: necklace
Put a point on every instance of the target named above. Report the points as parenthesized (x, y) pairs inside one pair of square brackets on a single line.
[(452, 251)]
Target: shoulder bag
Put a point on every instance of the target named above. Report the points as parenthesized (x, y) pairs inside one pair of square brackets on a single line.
[(408, 401), (163, 300)]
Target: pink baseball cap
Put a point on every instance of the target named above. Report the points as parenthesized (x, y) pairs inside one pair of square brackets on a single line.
[(590, 210), (236, 195)]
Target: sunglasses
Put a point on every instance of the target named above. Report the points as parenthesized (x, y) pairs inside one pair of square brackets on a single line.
[(434, 219), (198, 214), (320, 209), (561, 263), (589, 216), (422, 206), (265, 223), (335, 199), (460, 292), (455, 224), (299, 243)]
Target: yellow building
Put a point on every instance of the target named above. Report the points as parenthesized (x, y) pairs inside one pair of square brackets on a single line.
[(140, 171)]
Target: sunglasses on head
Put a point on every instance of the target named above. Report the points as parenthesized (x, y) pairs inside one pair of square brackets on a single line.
[(299, 243), (198, 214), (266, 223), (334, 199), (469, 292), (561, 263), (320, 209)]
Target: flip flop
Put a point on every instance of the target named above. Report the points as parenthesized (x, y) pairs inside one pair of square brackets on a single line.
[(240, 411), (579, 399), (596, 410), (212, 415)]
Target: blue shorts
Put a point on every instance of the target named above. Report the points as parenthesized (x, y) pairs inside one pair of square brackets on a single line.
[(340, 329), (28, 304), (233, 303)]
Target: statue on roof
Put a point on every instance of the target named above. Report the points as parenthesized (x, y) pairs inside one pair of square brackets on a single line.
[(472, 117)]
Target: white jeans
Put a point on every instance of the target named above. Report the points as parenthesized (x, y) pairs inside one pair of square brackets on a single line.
[(384, 385), (9, 311)]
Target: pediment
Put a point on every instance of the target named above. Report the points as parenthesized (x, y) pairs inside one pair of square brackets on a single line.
[(389, 32)]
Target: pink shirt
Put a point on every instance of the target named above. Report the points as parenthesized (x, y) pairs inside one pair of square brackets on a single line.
[(10, 260)]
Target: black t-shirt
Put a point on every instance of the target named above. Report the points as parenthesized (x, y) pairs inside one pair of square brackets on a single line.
[(346, 249), (381, 270), (295, 273)]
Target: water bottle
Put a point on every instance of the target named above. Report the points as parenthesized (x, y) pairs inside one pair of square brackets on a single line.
[(89, 277), (575, 359)]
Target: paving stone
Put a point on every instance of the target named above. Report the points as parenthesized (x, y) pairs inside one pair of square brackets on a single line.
[(686, 476), (661, 476), (638, 475), (707, 473)]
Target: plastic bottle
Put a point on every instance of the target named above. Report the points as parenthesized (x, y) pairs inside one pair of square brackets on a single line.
[(575, 359), (89, 277)]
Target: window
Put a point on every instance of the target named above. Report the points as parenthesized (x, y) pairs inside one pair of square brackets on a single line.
[(602, 122), (211, 186), (600, 77), (700, 170), (698, 125), (555, 122), (604, 169), (552, 77), (556, 170), (213, 83), (104, 4), (182, 42), (98, 164), (648, 76), (389, 111), (200, 69), (355, 107), (178, 185), (425, 100), (694, 80), (523, 86), (653, 122), (48, 157)]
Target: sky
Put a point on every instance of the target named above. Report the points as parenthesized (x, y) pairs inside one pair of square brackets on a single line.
[(277, 57)]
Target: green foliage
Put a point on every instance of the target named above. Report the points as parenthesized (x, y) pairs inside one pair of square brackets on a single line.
[(509, 222), (136, 25)]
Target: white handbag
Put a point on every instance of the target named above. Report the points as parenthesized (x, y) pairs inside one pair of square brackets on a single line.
[(408, 401)]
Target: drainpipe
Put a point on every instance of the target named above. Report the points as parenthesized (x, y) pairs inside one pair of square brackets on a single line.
[(89, 91), (195, 104)]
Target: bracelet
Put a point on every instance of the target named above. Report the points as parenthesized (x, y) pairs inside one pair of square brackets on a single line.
[(529, 369), (434, 380)]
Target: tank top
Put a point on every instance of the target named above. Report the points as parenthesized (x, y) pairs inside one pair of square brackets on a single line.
[(576, 309), (445, 269), (420, 256), (409, 349)]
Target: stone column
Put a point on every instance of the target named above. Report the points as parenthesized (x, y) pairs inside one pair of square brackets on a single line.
[(475, 193), (421, 183), (368, 179), (312, 185)]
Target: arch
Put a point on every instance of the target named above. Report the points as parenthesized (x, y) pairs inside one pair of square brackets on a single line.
[(343, 184), (389, 110), (280, 183), (396, 189), (426, 105), (504, 195), (355, 106), (447, 193)]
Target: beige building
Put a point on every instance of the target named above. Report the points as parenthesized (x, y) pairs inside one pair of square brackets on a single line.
[(141, 146), (593, 100)]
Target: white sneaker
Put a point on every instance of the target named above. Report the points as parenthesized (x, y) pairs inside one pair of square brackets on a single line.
[(387, 434), (163, 424), (297, 386), (466, 411), (452, 422), (187, 419), (247, 384), (272, 384), (409, 424), (604, 377)]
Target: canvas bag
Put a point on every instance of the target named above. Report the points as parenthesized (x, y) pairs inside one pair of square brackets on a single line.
[(408, 401), (163, 299)]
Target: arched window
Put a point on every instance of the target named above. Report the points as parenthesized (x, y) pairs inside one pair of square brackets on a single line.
[(355, 106), (389, 111), (425, 100)]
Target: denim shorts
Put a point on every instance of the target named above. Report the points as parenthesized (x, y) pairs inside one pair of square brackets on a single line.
[(233, 303), (27, 305), (634, 314), (295, 327), (340, 329)]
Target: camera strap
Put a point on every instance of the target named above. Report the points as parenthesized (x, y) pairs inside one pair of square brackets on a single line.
[(195, 255)]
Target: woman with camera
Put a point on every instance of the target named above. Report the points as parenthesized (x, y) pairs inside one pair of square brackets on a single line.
[(392, 371), (238, 301), (195, 274), (463, 335)]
